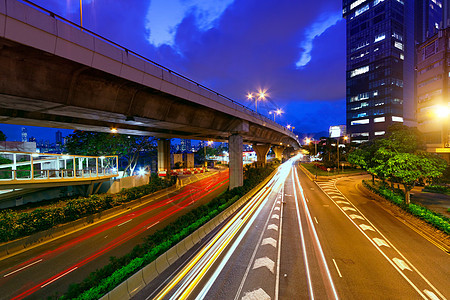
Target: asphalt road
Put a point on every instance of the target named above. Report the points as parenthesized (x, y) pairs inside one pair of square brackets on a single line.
[(322, 240), (50, 268)]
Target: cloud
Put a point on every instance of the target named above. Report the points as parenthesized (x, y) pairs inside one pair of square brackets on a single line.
[(164, 17), (316, 29)]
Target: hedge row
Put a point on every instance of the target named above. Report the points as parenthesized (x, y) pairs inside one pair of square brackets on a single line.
[(103, 280), (437, 189), (437, 220), (14, 224)]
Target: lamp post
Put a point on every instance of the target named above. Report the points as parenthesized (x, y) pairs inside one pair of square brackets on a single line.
[(209, 144), (260, 95), (275, 112)]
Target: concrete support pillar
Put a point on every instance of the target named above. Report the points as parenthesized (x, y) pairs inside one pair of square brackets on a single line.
[(261, 153), (235, 147), (278, 150), (164, 155)]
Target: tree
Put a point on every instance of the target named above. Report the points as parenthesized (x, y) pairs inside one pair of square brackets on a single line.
[(127, 147), (408, 168), (2, 136)]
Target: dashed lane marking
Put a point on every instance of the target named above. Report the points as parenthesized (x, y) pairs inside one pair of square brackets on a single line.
[(347, 208), (366, 227), (381, 242), (431, 295), (273, 227), (353, 216), (269, 241), (264, 262), (258, 294), (275, 216), (401, 264)]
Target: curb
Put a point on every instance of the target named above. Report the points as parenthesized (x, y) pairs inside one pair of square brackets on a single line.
[(132, 286), (17, 246), (326, 178)]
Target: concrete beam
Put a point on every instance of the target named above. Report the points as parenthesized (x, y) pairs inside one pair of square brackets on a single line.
[(235, 148), (261, 152), (164, 155)]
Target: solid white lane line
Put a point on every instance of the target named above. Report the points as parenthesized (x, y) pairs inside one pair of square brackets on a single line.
[(302, 238), (335, 264), (277, 275), (18, 270), (62, 275), (316, 237), (124, 222), (315, 219)]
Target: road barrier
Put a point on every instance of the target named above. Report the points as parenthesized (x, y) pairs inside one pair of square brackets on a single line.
[(155, 268)]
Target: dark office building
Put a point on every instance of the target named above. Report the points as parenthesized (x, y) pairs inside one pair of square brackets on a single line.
[(430, 18), (59, 138), (380, 66)]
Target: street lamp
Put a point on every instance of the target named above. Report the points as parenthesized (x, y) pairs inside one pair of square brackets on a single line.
[(260, 95), (275, 112)]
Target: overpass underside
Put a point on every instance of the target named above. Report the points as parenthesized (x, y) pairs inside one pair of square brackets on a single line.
[(41, 89)]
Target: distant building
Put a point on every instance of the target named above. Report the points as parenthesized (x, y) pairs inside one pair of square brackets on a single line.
[(185, 145), (24, 135), (337, 131), (32, 139), (433, 90), (59, 138)]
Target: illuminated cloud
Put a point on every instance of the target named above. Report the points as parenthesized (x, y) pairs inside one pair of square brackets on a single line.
[(316, 29), (162, 23)]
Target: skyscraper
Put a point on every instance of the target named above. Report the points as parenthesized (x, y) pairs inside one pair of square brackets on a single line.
[(59, 138), (185, 145), (24, 135), (380, 66)]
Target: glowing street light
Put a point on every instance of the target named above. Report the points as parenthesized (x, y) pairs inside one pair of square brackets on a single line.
[(209, 143), (260, 95), (275, 112), (442, 112)]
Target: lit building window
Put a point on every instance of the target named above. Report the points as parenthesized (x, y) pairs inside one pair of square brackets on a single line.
[(359, 71), (359, 122), (402, 57), (380, 132), (376, 2), (379, 37), (398, 45), (356, 3), (379, 119), (397, 119), (361, 10)]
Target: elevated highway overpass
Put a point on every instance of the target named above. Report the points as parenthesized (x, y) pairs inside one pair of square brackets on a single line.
[(56, 74)]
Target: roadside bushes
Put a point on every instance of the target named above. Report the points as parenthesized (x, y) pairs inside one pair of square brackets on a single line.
[(437, 220), (103, 280), (15, 225), (437, 189)]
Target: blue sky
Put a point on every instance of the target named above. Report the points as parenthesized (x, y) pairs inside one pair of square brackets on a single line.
[(294, 49)]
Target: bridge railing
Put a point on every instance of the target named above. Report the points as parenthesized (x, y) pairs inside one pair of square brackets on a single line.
[(23, 166), (249, 110)]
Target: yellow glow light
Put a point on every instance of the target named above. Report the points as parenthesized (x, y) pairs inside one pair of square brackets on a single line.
[(249, 96), (441, 111), (113, 130), (307, 140)]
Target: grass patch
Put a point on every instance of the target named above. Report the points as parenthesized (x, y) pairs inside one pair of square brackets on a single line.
[(320, 170), (436, 219)]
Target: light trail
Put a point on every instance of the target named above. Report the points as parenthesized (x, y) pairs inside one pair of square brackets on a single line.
[(121, 239), (316, 238), (195, 270)]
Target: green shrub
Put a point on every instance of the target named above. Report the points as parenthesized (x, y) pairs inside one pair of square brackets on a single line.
[(14, 224), (437, 220), (437, 189), (103, 280)]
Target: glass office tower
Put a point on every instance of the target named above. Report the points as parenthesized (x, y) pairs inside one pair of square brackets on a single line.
[(380, 66)]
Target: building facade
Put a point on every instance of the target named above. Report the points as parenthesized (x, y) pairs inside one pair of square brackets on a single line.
[(433, 91), (380, 66)]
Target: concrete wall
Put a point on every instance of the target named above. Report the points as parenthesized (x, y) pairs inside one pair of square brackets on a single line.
[(127, 182)]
